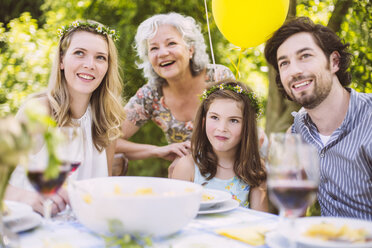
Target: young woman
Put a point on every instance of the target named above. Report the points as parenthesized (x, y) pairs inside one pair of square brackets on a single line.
[(85, 90), (224, 145)]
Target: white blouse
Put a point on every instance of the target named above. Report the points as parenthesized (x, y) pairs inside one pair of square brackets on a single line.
[(93, 165)]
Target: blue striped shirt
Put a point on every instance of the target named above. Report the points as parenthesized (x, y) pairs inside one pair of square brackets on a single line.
[(345, 188)]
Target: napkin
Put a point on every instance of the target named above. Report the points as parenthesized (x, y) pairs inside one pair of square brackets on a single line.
[(250, 235)]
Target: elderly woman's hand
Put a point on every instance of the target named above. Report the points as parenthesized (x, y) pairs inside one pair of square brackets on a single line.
[(173, 151)]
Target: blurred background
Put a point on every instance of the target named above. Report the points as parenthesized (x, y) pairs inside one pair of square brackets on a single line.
[(28, 37)]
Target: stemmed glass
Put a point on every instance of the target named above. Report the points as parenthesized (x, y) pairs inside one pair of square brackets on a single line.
[(69, 151), (46, 185), (293, 177), (72, 150)]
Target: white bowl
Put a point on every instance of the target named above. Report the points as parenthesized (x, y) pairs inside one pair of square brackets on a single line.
[(98, 202)]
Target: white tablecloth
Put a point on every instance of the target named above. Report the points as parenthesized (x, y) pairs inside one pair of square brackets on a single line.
[(200, 232)]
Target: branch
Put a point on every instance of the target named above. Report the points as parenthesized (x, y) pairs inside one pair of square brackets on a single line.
[(338, 14), (292, 9)]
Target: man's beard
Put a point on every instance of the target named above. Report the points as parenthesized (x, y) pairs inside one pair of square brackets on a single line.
[(316, 97), (320, 91)]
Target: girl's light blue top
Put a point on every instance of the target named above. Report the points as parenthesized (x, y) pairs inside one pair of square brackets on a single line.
[(238, 189)]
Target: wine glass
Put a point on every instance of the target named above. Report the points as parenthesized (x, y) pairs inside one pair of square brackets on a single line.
[(293, 177), (46, 184), (67, 145), (71, 150)]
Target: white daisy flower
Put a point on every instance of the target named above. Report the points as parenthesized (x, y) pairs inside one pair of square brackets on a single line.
[(99, 29)]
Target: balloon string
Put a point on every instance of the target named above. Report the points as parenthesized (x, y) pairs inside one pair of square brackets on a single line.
[(240, 56), (237, 75), (209, 34), (232, 62)]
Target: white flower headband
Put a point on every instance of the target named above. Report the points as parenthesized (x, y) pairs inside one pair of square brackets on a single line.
[(98, 28), (237, 89)]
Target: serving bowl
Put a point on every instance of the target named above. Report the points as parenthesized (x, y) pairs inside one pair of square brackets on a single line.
[(135, 205)]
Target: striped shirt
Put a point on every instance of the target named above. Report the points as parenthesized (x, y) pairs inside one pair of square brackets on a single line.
[(345, 188)]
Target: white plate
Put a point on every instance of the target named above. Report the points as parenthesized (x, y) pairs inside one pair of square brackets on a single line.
[(17, 210), (218, 197), (31, 220), (302, 224), (276, 240), (220, 207)]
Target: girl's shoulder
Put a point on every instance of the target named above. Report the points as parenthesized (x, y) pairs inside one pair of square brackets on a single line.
[(184, 168)]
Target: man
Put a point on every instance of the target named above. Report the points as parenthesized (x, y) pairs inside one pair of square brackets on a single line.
[(311, 62)]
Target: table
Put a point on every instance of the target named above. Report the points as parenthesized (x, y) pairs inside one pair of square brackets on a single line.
[(198, 233)]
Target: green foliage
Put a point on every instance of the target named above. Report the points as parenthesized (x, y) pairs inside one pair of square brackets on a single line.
[(27, 46), (126, 240), (357, 31), (10, 9), (24, 61), (314, 209), (149, 134)]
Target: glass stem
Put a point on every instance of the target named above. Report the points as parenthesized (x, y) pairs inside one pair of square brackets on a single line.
[(47, 205), (291, 230)]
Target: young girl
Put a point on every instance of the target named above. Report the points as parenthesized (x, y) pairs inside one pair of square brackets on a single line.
[(224, 144), (84, 89)]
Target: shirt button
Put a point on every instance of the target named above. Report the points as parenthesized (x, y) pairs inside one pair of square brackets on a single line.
[(322, 155)]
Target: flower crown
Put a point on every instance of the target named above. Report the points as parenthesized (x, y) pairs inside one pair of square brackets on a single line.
[(236, 88), (101, 29)]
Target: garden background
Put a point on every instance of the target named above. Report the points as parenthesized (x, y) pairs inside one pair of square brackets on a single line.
[(28, 37)]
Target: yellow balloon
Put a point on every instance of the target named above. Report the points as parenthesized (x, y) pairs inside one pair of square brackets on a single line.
[(248, 23)]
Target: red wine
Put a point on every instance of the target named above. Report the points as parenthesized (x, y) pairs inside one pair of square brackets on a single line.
[(292, 194), (47, 186), (74, 166)]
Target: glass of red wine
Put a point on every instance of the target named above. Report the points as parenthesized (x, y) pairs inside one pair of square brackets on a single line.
[(71, 150), (47, 185), (293, 178)]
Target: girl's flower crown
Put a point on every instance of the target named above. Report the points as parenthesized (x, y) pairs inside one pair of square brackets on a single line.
[(236, 88), (101, 29)]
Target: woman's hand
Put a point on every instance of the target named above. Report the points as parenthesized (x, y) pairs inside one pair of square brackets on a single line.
[(35, 200), (173, 151), (58, 202)]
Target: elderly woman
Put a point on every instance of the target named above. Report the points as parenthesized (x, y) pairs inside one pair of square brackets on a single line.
[(174, 59)]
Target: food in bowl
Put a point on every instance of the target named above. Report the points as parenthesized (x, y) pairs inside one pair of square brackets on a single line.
[(207, 197), (332, 232), (143, 205), (211, 197)]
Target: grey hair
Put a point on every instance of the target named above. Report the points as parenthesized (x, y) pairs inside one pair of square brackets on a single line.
[(191, 34)]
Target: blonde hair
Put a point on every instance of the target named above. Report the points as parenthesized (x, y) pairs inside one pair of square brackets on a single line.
[(106, 101)]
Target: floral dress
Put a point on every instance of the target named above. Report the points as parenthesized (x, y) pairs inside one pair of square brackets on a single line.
[(148, 103)]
